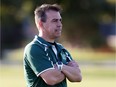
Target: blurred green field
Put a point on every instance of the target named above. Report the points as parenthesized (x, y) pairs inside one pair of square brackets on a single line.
[(94, 72), (78, 54), (93, 76)]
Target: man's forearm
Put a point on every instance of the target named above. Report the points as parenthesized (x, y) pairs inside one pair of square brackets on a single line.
[(72, 73), (52, 77), (60, 77)]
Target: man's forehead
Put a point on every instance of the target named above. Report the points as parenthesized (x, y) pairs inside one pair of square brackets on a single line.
[(53, 14)]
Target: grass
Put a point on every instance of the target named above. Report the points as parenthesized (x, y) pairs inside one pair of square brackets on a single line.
[(93, 76), (91, 55), (78, 54), (91, 82), (11, 76)]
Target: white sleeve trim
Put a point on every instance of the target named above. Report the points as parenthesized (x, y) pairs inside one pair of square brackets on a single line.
[(44, 71)]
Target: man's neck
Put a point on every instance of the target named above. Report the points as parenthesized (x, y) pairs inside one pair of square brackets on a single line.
[(52, 43), (46, 38)]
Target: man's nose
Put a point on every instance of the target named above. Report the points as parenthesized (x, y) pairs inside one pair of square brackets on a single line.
[(59, 24)]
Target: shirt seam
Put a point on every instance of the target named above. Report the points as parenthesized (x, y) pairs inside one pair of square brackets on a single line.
[(44, 71)]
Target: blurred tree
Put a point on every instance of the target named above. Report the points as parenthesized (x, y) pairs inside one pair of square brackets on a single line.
[(81, 20), (10, 25)]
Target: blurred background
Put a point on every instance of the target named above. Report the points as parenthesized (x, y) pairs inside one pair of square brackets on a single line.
[(89, 33)]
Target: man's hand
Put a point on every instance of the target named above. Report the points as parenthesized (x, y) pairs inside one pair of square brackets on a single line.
[(73, 64), (72, 71)]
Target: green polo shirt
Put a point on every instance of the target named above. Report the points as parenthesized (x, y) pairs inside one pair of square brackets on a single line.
[(39, 57)]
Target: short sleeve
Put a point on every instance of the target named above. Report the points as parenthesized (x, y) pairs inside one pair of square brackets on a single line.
[(38, 61), (68, 56)]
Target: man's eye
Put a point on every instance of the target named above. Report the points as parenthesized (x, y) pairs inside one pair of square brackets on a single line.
[(54, 20)]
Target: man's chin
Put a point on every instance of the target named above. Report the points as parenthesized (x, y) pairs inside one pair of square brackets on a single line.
[(57, 36)]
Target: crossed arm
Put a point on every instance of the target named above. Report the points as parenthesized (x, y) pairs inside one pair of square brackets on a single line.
[(70, 71)]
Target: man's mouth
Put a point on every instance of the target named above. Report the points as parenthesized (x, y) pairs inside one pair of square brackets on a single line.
[(58, 30)]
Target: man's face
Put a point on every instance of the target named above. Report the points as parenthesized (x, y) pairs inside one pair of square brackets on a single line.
[(52, 26)]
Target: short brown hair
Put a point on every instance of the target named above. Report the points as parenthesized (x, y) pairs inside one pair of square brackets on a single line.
[(40, 11)]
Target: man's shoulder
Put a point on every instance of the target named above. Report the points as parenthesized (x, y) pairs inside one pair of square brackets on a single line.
[(33, 46)]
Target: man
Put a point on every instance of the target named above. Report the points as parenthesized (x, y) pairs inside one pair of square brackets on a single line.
[(47, 63)]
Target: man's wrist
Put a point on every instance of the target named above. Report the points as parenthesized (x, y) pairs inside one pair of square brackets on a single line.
[(59, 65)]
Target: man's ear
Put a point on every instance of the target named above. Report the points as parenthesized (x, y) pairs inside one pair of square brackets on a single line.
[(40, 23)]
